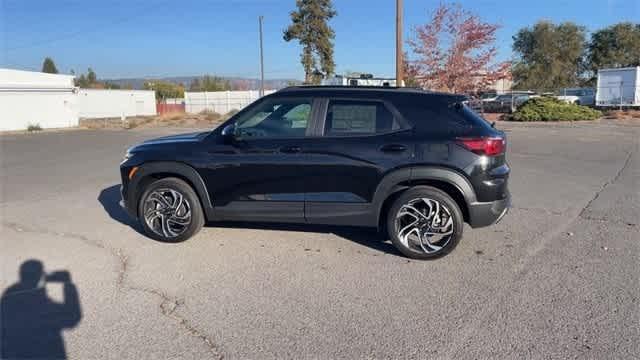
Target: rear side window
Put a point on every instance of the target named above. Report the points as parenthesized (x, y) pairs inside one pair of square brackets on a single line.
[(354, 117), (439, 118)]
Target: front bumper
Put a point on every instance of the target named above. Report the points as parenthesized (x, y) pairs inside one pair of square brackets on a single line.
[(488, 213), (126, 204)]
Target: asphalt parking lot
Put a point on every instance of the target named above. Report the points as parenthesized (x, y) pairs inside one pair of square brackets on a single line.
[(559, 277)]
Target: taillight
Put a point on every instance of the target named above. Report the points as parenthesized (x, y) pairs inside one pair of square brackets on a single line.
[(489, 146)]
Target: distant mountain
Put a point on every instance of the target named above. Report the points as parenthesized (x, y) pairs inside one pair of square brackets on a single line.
[(236, 82)]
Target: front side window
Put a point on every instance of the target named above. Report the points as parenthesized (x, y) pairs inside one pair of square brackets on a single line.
[(275, 118), (351, 117)]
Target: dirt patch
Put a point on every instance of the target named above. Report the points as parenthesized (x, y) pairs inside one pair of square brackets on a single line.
[(493, 116), (202, 120), (629, 114)]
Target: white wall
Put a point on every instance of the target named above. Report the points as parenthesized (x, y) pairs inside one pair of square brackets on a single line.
[(220, 101), (99, 103), (49, 109), (28, 97)]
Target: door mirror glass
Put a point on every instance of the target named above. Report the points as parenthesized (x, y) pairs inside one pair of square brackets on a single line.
[(229, 132)]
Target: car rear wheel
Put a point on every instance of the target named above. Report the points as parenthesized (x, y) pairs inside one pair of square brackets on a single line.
[(169, 210), (425, 223)]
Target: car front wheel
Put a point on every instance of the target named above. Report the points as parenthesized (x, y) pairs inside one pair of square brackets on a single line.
[(425, 223), (169, 210)]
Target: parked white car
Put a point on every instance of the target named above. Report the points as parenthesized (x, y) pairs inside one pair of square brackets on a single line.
[(578, 96)]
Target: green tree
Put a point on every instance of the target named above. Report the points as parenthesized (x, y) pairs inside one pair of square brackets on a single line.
[(310, 26), (165, 89), (195, 85), (549, 56), (615, 46), (112, 86), (48, 66), (209, 83), (81, 81), (92, 78)]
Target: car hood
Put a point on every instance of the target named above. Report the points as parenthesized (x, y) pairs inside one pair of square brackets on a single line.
[(169, 141), (189, 137)]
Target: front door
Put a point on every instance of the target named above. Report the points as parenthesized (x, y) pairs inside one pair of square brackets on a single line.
[(260, 176)]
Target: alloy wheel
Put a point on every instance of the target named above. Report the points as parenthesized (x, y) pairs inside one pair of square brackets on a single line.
[(167, 212), (424, 225)]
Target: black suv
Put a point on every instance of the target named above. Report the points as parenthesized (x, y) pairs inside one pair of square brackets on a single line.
[(415, 163)]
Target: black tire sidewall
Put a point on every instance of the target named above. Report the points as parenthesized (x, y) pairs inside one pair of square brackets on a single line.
[(431, 193), (197, 217)]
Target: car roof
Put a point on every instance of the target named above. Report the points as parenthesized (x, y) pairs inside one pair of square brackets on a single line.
[(360, 91)]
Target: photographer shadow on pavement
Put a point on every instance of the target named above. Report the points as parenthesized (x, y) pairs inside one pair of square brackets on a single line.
[(32, 323)]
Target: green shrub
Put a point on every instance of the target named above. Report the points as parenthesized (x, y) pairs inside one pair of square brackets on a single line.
[(552, 109), (33, 127)]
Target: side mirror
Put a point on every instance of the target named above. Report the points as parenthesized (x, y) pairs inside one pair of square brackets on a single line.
[(229, 133)]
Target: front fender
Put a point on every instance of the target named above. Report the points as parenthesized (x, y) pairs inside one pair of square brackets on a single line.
[(180, 170)]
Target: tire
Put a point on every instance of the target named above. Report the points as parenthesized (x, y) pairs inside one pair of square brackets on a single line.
[(410, 241), (183, 220)]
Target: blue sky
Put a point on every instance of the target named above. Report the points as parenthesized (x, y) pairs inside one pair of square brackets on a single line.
[(133, 38)]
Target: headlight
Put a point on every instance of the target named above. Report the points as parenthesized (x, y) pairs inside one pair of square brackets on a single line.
[(127, 156)]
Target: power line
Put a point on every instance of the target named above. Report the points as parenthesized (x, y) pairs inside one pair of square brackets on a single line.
[(74, 34)]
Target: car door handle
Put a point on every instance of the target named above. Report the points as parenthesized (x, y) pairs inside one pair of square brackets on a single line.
[(393, 148), (291, 149)]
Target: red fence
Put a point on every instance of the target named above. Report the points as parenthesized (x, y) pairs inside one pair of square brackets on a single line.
[(162, 108)]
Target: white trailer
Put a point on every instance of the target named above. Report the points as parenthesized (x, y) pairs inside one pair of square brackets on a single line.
[(618, 87), (362, 80)]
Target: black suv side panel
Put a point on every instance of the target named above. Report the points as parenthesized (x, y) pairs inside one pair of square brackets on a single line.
[(333, 180)]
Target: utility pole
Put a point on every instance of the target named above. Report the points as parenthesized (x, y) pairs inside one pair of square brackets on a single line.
[(399, 52), (261, 58)]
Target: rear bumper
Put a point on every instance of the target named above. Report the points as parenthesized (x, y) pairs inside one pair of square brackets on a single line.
[(488, 213)]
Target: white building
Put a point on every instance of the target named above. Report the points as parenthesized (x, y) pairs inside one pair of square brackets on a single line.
[(101, 103), (26, 97)]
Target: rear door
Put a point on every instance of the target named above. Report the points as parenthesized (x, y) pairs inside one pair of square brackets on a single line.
[(360, 141)]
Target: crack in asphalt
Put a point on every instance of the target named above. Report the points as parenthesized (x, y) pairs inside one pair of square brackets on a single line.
[(609, 182), (614, 221), (168, 305), (520, 270)]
